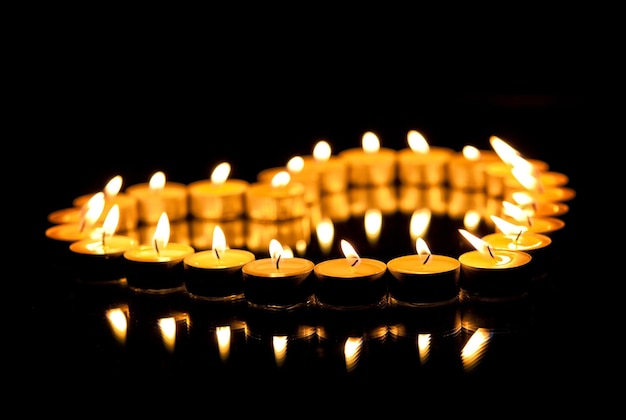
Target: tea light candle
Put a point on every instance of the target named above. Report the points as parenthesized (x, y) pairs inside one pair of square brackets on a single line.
[(422, 164), (546, 225), (157, 267), (332, 170), (281, 282), (371, 165), (215, 274), (466, 170), (101, 259), (128, 211), (219, 198), (299, 172), (351, 282), (279, 200), (423, 279), (490, 274), (158, 196)]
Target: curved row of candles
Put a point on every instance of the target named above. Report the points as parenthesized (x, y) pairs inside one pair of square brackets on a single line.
[(501, 266)]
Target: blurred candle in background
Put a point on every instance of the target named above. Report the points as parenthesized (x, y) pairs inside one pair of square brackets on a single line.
[(422, 164), (158, 196), (370, 165), (218, 198)]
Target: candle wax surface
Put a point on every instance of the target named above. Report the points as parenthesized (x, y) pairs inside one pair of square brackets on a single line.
[(526, 242), (113, 245), (340, 268), (503, 259), (412, 264), (228, 258), (287, 267), (70, 232), (229, 187), (146, 253)]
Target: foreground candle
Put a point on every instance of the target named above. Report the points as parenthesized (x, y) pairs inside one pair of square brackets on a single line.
[(351, 282), (424, 278), (491, 274), (158, 196), (157, 267), (218, 198), (215, 274), (281, 282), (100, 259)]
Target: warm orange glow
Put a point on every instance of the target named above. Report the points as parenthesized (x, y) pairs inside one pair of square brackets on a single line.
[(157, 181), (471, 219), (423, 346), (92, 210), (280, 179), (161, 236), (420, 221), (219, 241), (220, 173), (352, 258), (507, 153), (475, 348), (168, 332), (422, 250), (223, 334), (514, 211), (322, 151), (471, 153), (481, 246), (119, 323), (417, 142), (325, 231), (109, 225), (295, 164), (276, 251), (370, 142), (373, 222), (279, 344), (352, 352), (506, 227), (113, 186), (527, 178)]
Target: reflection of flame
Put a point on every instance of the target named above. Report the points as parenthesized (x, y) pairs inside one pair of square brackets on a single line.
[(279, 343), (322, 151), (516, 212), (157, 181), (506, 227), (417, 142), (223, 334), (325, 230), (370, 142), (220, 173), (471, 219), (352, 352), (168, 332), (373, 223), (474, 349), (119, 323), (420, 221), (423, 347)]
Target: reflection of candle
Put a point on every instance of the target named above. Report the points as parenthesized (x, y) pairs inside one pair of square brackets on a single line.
[(487, 273), (351, 282), (466, 170), (370, 165), (289, 233), (280, 282), (216, 274), (422, 164), (218, 198), (157, 267), (423, 278), (158, 196), (381, 197), (101, 258), (279, 200)]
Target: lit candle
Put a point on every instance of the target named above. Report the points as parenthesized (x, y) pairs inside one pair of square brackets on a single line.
[(127, 204), (423, 279), (280, 199), (280, 282), (538, 209), (546, 225), (490, 274), (370, 165), (514, 237), (219, 198), (300, 172), (157, 267), (215, 274), (422, 164), (100, 259), (332, 170), (466, 170), (158, 196), (351, 282)]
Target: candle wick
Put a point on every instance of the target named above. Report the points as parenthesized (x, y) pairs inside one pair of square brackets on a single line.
[(104, 235), (356, 260), (427, 258), (217, 254), (156, 246), (530, 223), (491, 252), (82, 225), (518, 235), (278, 261)]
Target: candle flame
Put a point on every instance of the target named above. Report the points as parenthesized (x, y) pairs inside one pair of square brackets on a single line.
[(276, 252), (422, 249), (219, 241), (352, 258), (220, 173), (516, 212), (527, 177), (481, 246), (157, 181), (504, 151), (113, 186), (109, 226), (471, 153), (322, 151), (370, 142), (295, 164), (507, 227), (281, 179), (417, 142), (161, 235), (92, 210)]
